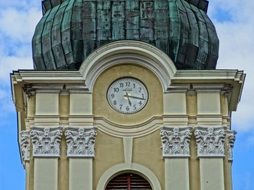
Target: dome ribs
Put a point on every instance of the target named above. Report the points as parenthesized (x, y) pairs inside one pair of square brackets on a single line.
[(56, 37), (71, 30), (132, 20), (89, 27), (161, 25)]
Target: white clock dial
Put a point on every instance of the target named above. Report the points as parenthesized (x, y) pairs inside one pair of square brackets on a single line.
[(127, 95)]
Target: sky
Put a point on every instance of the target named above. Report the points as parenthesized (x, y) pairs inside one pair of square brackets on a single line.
[(234, 21)]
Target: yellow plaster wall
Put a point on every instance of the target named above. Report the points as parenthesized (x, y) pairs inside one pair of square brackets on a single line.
[(147, 152), (108, 152)]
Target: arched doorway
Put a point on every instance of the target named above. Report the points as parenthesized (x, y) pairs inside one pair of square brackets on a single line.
[(128, 181)]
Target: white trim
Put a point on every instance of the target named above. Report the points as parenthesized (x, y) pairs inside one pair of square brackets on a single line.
[(120, 168), (128, 149), (138, 130), (131, 52)]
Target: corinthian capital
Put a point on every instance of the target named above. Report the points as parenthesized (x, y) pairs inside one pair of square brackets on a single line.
[(231, 141), (25, 145), (46, 141), (175, 142), (210, 141), (80, 142)]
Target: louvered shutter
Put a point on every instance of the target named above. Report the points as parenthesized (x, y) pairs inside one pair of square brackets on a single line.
[(128, 181)]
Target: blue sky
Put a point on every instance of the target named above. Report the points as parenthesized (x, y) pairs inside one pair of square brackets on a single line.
[(234, 20)]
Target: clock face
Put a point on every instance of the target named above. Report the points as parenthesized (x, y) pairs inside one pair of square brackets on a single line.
[(127, 95)]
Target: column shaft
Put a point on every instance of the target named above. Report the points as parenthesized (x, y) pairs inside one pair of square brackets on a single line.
[(81, 174), (45, 173), (211, 174), (177, 174)]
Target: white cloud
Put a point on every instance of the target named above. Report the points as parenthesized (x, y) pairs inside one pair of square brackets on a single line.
[(17, 28), (20, 4), (237, 51), (19, 25)]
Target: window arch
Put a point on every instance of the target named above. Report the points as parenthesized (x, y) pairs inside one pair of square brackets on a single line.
[(128, 181)]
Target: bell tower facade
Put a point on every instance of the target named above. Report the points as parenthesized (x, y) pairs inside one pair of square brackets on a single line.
[(119, 100)]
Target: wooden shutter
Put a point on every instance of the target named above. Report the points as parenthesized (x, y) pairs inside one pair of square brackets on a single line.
[(128, 181)]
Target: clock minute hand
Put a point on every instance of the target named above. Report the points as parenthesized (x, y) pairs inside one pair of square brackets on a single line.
[(135, 97)]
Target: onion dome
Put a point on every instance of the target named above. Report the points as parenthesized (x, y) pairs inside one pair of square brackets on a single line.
[(70, 30)]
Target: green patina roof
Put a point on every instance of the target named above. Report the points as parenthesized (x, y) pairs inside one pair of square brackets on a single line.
[(72, 29)]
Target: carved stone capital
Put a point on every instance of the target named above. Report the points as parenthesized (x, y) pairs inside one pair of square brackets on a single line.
[(210, 141), (80, 142), (46, 141), (25, 145), (175, 142), (230, 144)]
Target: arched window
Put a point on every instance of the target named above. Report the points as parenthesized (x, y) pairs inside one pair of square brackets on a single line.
[(128, 181)]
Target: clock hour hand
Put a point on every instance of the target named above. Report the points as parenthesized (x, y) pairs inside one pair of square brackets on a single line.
[(128, 97)]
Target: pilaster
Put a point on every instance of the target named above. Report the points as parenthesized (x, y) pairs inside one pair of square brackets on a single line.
[(46, 150), (211, 151), (176, 153), (80, 150)]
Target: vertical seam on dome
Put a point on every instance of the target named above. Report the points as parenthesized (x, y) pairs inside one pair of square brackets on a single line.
[(192, 39), (96, 25), (111, 22), (189, 31), (139, 19), (198, 30), (44, 24), (172, 25), (181, 35), (70, 4), (211, 36), (125, 20), (51, 42), (199, 59), (208, 39), (60, 33)]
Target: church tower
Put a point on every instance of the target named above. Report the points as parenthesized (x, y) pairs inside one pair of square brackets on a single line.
[(125, 95)]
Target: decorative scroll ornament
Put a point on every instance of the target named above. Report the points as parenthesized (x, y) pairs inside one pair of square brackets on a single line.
[(175, 142), (231, 142), (25, 145), (80, 142), (46, 141), (210, 141)]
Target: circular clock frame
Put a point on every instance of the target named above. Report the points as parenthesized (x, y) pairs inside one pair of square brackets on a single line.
[(127, 95)]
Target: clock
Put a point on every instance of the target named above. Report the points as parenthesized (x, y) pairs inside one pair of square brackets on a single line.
[(127, 95)]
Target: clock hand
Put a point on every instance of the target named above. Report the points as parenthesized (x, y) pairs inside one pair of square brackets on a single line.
[(128, 97), (135, 97)]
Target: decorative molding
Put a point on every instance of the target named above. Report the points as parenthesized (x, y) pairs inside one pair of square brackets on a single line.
[(128, 51), (210, 141), (80, 142), (230, 144), (46, 141), (175, 141), (25, 145), (133, 167), (135, 131)]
